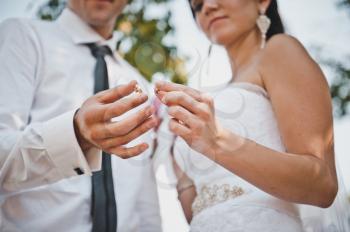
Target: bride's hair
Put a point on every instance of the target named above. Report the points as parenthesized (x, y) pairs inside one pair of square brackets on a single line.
[(276, 21)]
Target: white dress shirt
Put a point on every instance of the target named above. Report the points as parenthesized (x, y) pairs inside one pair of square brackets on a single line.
[(46, 73)]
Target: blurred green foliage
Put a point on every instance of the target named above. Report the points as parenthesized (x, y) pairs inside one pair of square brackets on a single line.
[(144, 38), (345, 2), (340, 88)]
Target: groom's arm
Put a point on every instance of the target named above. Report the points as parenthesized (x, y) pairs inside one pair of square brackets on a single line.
[(148, 202), (32, 154)]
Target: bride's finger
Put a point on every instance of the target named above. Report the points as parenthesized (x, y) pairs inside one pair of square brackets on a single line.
[(184, 100), (179, 129), (162, 86), (182, 115), (160, 94)]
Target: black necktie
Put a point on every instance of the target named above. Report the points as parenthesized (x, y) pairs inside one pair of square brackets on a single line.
[(104, 209)]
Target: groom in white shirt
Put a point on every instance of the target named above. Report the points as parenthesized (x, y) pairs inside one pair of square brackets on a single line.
[(56, 118)]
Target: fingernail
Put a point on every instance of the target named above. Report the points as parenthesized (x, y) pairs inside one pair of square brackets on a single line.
[(143, 96), (138, 89), (144, 146), (160, 83)]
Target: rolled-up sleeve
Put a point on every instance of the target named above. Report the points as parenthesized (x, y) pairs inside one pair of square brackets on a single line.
[(32, 154)]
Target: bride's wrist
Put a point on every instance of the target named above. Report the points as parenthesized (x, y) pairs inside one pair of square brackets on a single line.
[(183, 185), (227, 142)]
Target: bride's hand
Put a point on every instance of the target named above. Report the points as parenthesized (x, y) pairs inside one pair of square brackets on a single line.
[(193, 116)]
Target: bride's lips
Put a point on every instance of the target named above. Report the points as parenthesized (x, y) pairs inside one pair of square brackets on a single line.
[(216, 19)]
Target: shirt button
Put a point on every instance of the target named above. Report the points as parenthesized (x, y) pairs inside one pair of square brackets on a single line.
[(79, 171)]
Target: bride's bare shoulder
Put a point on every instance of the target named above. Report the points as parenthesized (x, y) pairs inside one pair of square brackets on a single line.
[(283, 48), (283, 41), (285, 59)]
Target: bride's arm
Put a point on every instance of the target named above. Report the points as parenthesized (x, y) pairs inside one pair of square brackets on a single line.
[(185, 190), (300, 97)]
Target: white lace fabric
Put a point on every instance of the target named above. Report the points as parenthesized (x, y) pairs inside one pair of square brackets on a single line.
[(212, 195)]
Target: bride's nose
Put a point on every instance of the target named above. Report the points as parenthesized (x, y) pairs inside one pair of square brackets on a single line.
[(209, 6)]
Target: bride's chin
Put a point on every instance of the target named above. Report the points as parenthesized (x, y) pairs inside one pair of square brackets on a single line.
[(222, 36), (221, 40)]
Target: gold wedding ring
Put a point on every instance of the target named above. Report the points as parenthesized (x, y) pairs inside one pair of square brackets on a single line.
[(138, 89), (156, 90)]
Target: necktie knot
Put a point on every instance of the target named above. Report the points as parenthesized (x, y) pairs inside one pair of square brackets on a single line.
[(99, 51), (101, 72)]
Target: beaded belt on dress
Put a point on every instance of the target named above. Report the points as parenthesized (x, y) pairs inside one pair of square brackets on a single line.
[(212, 195)]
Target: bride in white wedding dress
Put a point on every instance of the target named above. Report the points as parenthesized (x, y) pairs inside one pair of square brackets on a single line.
[(250, 153)]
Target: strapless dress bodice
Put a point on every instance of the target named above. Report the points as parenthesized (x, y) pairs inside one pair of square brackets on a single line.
[(246, 110)]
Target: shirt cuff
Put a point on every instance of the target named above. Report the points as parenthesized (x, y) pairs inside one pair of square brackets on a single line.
[(94, 159), (64, 150)]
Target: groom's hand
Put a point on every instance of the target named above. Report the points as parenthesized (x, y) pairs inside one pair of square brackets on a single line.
[(94, 127)]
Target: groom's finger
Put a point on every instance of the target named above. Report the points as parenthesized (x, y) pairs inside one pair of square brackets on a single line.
[(123, 105), (114, 94), (132, 135), (126, 153), (162, 86)]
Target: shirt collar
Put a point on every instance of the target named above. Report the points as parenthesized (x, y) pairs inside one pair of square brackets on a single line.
[(81, 32)]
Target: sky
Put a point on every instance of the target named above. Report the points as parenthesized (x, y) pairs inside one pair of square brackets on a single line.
[(316, 23)]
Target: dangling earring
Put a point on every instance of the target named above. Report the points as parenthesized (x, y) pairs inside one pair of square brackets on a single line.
[(264, 24)]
